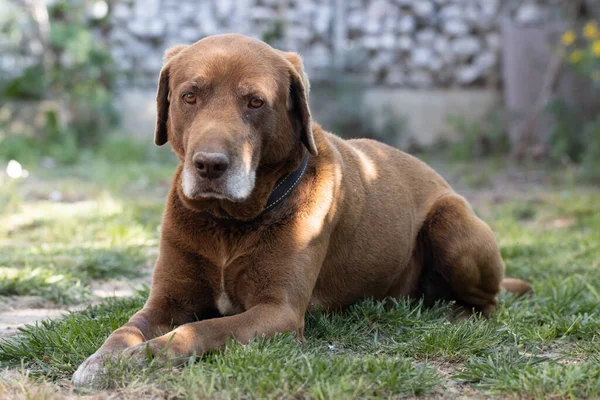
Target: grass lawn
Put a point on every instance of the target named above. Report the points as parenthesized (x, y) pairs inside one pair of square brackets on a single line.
[(101, 224)]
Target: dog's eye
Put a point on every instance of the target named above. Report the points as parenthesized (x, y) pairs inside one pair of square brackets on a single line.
[(256, 103), (189, 97)]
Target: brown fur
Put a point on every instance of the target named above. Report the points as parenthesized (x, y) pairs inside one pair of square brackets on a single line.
[(366, 221)]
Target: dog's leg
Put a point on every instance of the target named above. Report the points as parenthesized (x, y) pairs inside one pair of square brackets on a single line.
[(463, 262), (274, 305), (170, 304), (279, 307), (140, 326), (202, 336)]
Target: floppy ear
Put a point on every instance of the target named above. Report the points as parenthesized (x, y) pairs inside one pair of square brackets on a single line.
[(163, 96), (162, 108), (298, 100)]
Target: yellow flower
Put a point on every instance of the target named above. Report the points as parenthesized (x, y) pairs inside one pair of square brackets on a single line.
[(596, 48), (576, 56), (590, 30), (568, 38)]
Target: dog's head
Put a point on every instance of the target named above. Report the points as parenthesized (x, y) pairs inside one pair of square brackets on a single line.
[(229, 104)]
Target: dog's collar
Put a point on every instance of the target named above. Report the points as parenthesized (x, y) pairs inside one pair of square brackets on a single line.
[(282, 189)]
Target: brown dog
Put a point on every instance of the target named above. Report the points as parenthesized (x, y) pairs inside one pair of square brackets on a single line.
[(268, 213)]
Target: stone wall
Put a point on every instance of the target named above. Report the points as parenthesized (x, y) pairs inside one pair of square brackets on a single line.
[(399, 43)]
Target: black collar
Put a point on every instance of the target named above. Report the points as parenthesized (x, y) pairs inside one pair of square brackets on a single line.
[(282, 189)]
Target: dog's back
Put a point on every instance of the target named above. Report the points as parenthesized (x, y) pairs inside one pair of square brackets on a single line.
[(383, 199)]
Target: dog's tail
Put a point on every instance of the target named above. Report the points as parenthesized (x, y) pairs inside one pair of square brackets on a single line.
[(516, 286)]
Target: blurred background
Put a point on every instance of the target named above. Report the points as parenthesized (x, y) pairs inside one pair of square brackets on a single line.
[(483, 77), (502, 97)]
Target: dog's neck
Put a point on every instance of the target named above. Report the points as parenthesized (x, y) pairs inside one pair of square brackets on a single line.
[(273, 185)]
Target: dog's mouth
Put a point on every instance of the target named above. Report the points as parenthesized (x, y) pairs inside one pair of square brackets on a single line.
[(231, 187), (208, 191), (211, 194)]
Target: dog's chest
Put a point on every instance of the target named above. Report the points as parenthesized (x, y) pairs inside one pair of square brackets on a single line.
[(223, 301), (226, 306)]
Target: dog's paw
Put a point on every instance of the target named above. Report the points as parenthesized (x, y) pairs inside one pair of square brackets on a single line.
[(157, 351), (91, 372), (143, 354)]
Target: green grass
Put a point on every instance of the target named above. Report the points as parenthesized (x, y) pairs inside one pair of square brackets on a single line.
[(543, 346), (74, 243), (55, 348), (63, 227), (538, 377)]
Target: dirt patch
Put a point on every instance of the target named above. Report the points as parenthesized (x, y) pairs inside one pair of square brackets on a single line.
[(18, 311), (451, 388)]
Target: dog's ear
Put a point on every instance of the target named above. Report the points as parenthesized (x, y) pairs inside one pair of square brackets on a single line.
[(162, 107), (173, 51), (163, 97), (298, 101)]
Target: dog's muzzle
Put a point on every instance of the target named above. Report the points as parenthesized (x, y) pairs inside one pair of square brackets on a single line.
[(216, 175)]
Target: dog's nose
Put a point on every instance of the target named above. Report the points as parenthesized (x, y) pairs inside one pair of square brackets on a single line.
[(210, 165)]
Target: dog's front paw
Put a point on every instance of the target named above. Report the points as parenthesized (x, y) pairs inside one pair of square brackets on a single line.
[(143, 354), (159, 350), (91, 372)]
